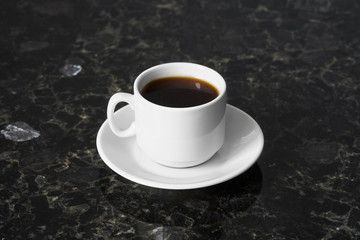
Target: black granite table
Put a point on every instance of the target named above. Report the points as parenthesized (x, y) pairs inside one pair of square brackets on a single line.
[(293, 65)]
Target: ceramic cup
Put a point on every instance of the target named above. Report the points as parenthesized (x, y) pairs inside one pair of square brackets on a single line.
[(172, 136)]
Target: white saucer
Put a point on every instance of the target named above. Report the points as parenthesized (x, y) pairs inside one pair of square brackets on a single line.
[(243, 144)]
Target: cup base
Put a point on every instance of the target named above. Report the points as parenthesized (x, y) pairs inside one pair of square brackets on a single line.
[(182, 164)]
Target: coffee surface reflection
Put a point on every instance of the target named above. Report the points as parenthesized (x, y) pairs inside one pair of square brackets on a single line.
[(179, 92)]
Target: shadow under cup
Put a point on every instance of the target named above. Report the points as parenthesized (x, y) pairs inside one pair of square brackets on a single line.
[(186, 134)]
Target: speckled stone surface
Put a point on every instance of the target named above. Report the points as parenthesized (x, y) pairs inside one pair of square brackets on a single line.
[(293, 65)]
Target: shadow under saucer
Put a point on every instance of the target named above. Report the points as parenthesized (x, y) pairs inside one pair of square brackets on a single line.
[(207, 205)]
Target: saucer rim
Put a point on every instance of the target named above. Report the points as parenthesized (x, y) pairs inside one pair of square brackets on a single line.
[(180, 186)]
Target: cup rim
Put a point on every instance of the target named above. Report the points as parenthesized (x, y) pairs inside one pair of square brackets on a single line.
[(222, 91)]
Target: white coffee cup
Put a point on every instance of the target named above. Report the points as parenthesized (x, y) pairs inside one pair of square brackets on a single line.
[(173, 136)]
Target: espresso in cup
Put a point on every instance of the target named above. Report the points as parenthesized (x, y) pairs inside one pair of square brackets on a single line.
[(179, 113), (179, 91)]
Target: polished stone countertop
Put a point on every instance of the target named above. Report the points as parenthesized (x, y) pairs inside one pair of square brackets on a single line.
[(293, 65)]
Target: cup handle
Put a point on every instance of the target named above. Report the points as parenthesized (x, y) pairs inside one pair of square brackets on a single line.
[(114, 100)]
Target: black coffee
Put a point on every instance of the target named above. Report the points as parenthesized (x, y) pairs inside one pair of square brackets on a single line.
[(179, 92)]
